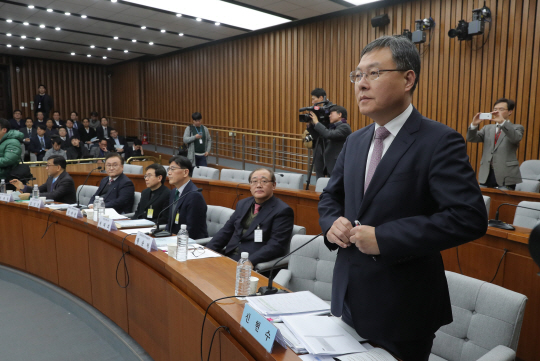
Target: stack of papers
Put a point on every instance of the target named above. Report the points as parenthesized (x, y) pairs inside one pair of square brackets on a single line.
[(60, 207), (282, 304), (135, 223), (290, 339)]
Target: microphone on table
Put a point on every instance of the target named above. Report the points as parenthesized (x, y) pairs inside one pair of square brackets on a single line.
[(270, 290), (534, 244), (165, 233), (88, 176), (503, 225)]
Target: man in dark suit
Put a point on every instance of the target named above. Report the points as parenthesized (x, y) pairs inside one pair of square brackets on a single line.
[(104, 131), (408, 181), (263, 213), (59, 186), (77, 150), (71, 132), (190, 207), (333, 137), (74, 116), (136, 150), (28, 131), (101, 151), (17, 121), (117, 143), (117, 189), (58, 122), (87, 133), (43, 101), (155, 198), (40, 143)]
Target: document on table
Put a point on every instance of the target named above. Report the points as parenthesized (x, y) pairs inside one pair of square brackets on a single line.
[(310, 357), (375, 354), (136, 230), (59, 207), (288, 304), (322, 336)]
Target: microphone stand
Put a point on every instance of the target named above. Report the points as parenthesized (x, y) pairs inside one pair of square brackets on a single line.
[(88, 176), (503, 225), (165, 233), (270, 290)]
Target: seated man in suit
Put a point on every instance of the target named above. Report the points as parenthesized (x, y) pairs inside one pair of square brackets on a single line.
[(261, 212), (58, 122), (117, 189), (77, 150), (17, 121), (71, 131), (191, 206), (104, 131), (102, 151), (28, 131), (40, 119), (154, 198), (117, 143), (62, 134), (59, 186), (40, 143), (87, 133), (51, 129), (136, 150), (56, 149)]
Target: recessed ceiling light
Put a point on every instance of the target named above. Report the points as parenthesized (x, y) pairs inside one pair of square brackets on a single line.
[(25, 23), (109, 49), (113, 1), (9, 45), (67, 14), (360, 2), (125, 51), (143, 27), (72, 53), (104, 57), (23, 36), (57, 28), (89, 56), (42, 26), (21, 47), (199, 19), (162, 30), (50, 10), (31, 6), (115, 38), (134, 40), (151, 43), (181, 34), (92, 46), (179, 15), (8, 34), (217, 24), (83, 16), (38, 39), (9, 20)]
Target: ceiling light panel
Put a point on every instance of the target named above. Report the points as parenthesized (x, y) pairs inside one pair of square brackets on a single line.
[(361, 2), (217, 11)]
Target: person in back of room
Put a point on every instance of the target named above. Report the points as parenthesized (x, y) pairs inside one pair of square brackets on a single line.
[(58, 122), (17, 122), (155, 197), (28, 131), (40, 143), (74, 116), (136, 150), (62, 134), (264, 213), (77, 150), (40, 119), (117, 142), (56, 149), (43, 102), (94, 120), (117, 189), (87, 133), (58, 187), (199, 142), (499, 165), (101, 151), (51, 129), (191, 209), (71, 131), (104, 131)]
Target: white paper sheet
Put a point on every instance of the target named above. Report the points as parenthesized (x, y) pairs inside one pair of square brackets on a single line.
[(375, 354), (288, 303)]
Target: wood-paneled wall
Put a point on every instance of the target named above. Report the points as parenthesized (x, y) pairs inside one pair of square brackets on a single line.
[(260, 82), (73, 86), (127, 92)]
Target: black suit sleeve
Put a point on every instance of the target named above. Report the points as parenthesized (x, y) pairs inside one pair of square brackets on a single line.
[(126, 194), (196, 216), (64, 187)]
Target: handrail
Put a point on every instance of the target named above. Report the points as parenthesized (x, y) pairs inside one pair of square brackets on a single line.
[(70, 161), (156, 160)]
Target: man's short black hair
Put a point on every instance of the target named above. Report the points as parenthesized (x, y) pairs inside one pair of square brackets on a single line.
[(75, 137), (59, 160), (196, 116), (62, 127), (85, 119), (73, 111), (4, 124), (40, 111), (114, 154), (111, 129), (56, 111), (159, 170), (318, 92), (94, 114), (42, 85), (42, 126), (103, 139), (183, 162), (17, 110), (137, 142), (56, 140), (339, 109), (29, 118), (510, 103), (69, 120)]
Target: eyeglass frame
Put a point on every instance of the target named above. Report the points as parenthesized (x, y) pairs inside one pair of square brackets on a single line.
[(113, 166), (365, 75), (262, 182), (172, 169)]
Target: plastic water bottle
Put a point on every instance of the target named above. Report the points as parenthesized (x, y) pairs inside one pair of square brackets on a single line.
[(101, 208), (96, 209), (3, 186), (35, 192), (182, 244), (243, 275)]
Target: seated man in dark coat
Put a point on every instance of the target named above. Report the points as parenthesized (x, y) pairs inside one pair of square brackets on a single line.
[(155, 198), (59, 186), (40, 143), (77, 150), (117, 189), (261, 212), (136, 150)]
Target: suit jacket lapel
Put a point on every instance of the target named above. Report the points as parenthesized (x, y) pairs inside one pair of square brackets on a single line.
[(501, 137), (404, 139), (360, 155), (189, 187), (261, 216)]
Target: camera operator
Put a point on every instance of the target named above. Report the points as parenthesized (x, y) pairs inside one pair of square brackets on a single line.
[(333, 137), (318, 95)]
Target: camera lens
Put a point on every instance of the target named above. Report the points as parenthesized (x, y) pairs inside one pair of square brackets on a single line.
[(452, 33)]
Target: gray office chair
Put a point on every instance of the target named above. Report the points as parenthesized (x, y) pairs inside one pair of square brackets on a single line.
[(136, 201), (235, 175), (310, 268), (85, 194), (487, 201), (321, 184), (206, 173), (266, 266), (487, 322), (290, 180), (528, 185), (216, 217), (133, 169), (529, 169), (526, 217)]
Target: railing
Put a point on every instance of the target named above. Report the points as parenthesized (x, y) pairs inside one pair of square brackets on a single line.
[(92, 160), (261, 147)]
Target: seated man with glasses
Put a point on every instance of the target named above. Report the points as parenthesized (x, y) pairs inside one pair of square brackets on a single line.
[(190, 208), (499, 165), (117, 189), (58, 187), (154, 198), (261, 225)]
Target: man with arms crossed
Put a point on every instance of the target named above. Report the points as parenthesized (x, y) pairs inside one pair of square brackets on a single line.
[(155, 198), (408, 181)]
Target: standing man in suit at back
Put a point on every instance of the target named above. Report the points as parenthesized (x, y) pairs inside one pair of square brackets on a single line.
[(155, 198), (408, 181), (499, 165), (117, 189), (191, 209), (59, 186), (43, 102), (262, 212)]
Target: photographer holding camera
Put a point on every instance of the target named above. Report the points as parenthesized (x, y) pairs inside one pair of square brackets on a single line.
[(333, 137)]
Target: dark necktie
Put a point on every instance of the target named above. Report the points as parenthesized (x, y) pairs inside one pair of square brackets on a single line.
[(257, 209), (176, 195), (497, 133), (380, 136), (70, 133), (42, 143)]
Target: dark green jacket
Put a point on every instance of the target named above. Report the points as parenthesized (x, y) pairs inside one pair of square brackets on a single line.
[(10, 152)]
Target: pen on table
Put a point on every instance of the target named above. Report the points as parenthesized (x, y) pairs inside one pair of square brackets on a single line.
[(357, 223)]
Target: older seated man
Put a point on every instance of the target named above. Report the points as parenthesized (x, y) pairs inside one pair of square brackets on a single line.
[(155, 198), (261, 225)]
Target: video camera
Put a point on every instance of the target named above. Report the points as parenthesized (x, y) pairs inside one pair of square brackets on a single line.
[(321, 112)]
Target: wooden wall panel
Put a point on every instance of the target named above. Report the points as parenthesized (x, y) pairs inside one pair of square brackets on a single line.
[(259, 82), (73, 86)]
